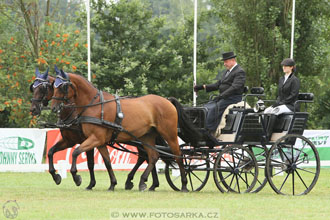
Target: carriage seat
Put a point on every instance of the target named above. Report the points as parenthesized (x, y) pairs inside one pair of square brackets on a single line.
[(228, 119), (292, 122)]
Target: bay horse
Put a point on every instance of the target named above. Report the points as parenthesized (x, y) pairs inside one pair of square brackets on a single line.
[(42, 89), (144, 119)]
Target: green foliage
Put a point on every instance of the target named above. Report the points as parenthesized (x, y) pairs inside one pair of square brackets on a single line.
[(260, 31), (146, 46), (134, 55), (14, 77), (52, 43)]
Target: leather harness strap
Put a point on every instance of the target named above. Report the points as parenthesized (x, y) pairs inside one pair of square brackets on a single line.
[(116, 126), (118, 120)]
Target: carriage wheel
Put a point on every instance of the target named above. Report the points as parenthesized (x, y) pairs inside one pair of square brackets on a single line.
[(293, 165), (260, 152), (197, 172), (235, 170)]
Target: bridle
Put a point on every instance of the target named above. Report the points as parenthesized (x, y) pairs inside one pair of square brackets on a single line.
[(45, 85), (64, 86)]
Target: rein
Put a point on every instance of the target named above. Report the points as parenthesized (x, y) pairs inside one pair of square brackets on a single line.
[(116, 126), (90, 105)]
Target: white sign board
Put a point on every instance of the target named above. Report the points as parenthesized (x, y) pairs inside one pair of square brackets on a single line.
[(21, 146)]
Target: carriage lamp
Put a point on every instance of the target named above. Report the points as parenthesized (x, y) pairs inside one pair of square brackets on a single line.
[(260, 106)]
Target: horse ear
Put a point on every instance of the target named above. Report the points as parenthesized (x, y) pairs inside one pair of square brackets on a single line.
[(45, 75), (37, 72), (57, 71), (64, 75)]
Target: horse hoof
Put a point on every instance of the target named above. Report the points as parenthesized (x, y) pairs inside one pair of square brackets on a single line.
[(111, 188), (143, 187), (57, 178), (77, 180), (90, 186), (152, 188), (129, 186)]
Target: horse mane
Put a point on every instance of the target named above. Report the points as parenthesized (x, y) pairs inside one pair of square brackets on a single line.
[(82, 78), (51, 78)]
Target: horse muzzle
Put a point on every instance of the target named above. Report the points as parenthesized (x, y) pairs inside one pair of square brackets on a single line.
[(35, 110), (57, 108)]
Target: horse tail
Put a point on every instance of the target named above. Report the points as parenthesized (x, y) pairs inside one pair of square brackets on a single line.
[(188, 131)]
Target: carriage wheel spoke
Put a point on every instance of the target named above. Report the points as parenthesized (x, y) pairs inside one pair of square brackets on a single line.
[(196, 177), (292, 183), (232, 155), (239, 156), (227, 162), (242, 178), (301, 150), (238, 184), (231, 182), (257, 178), (306, 170), (191, 185), (247, 183), (301, 179), (283, 153), (276, 161), (284, 181), (244, 165), (283, 170), (224, 178), (189, 173), (292, 155)]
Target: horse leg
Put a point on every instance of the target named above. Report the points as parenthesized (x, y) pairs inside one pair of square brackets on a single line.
[(170, 135), (155, 181), (90, 143), (90, 164), (152, 159), (60, 145), (105, 155), (129, 184), (73, 170)]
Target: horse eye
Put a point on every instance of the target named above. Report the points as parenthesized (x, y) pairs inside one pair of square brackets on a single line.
[(64, 88), (31, 87)]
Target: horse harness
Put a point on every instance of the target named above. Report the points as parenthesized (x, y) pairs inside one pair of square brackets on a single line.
[(44, 83), (116, 125)]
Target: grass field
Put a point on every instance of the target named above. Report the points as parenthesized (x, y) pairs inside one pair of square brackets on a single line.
[(38, 197)]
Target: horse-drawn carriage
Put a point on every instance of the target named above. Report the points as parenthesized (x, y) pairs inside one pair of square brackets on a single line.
[(253, 148), (250, 142)]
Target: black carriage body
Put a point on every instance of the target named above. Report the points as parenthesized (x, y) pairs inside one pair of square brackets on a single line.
[(243, 126)]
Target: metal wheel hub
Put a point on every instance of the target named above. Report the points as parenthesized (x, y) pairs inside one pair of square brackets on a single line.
[(236, 171)]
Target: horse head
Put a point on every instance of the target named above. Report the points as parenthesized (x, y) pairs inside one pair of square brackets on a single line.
[(62, 92), (42, 90)]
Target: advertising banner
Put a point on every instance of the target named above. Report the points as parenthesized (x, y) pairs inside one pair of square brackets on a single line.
[(321, 140), (119, 159), (19, 146)]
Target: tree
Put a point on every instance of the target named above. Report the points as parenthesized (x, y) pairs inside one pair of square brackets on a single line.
[(30, 39), (259, 32)]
